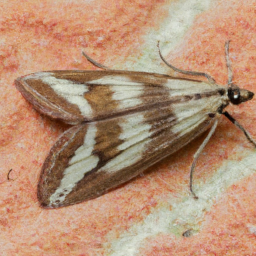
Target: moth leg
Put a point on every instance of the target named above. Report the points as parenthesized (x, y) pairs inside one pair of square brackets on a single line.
[(247, 134), (228, 63), (95, 63), (197, 154), (186, 72)]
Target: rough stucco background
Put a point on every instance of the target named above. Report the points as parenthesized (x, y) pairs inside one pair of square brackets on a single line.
[(148, 215)]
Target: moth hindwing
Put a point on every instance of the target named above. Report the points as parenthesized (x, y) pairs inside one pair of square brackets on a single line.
[(123, 122)]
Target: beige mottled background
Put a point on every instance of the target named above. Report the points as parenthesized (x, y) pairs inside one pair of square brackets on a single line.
[(148, 215)]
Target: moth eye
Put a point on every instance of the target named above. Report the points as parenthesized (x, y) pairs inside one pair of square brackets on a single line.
[(236, 95)]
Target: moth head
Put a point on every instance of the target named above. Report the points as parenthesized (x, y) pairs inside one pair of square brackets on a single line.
[(237, 95)]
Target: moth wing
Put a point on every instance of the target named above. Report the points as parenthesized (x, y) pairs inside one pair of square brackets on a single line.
[(91, 158), (77, 96)]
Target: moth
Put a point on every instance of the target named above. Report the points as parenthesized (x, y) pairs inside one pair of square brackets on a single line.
[(122, 123)]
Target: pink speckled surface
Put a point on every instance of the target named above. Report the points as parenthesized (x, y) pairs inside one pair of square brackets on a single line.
[(42, 35), (226, 229)]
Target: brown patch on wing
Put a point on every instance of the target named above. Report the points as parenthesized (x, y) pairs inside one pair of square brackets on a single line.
[(100, 99), (107, 140), (81, 76)]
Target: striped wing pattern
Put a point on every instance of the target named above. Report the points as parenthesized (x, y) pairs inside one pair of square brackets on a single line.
[(124, 123)]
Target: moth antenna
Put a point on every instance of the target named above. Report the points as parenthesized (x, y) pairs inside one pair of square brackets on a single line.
[(228, 63), (95, 63), (197, 154), (186, 72)]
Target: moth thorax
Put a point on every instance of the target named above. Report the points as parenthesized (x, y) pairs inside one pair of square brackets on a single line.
[(237, 95)]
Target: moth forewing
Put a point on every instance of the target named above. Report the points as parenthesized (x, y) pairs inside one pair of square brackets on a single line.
[(90, 159), (83, 96), (125, 122)]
